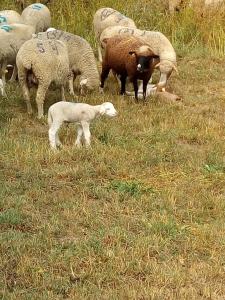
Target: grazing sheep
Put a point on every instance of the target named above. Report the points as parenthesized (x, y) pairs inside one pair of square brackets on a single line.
[(157, 41), (105, 17), (128, 57), (46, 61), (177, 5), (81, 58), (80, 113), (9, 17), (12, 37), (37, 15)]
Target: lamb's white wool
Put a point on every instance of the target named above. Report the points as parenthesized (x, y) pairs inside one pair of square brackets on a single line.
[(150, 91), (80, 113)]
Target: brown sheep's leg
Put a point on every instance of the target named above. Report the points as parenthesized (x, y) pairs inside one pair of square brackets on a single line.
[(145, 82), (104, 75), (135, 84), (40, 97), (123, 84)]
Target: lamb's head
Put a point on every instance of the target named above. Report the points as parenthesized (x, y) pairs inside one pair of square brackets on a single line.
[(108, 109), (144, 58)]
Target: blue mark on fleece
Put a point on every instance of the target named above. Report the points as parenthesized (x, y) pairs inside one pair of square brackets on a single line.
[(7, 28), (37, 6), (3, 19)]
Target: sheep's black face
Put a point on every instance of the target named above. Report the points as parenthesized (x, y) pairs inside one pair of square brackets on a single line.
[(143, 63)]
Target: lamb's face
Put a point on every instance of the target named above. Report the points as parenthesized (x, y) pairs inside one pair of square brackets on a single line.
[(108, 109)]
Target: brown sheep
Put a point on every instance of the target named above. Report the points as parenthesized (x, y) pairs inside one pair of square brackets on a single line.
[(128, 57)]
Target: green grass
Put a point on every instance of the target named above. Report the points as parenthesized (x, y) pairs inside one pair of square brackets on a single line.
[(141, 214)]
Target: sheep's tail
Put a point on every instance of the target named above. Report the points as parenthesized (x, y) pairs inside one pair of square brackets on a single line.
[(50, 120)]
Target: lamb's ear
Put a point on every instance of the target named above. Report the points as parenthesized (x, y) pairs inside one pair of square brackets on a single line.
[(133, 53), (102, 110)]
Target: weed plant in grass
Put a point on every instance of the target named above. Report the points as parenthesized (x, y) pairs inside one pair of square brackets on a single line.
[(141, 214)]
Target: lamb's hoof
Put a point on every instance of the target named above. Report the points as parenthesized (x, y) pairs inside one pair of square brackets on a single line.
[(78, 145)]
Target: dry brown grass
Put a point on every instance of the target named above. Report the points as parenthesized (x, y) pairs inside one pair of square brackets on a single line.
[(138, 216)]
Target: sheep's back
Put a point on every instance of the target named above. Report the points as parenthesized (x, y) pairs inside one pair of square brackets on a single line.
[(117, 54), (37, 15)]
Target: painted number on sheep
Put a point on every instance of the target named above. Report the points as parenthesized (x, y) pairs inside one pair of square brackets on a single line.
[(3, 19), (126, 30), (106, 13), (54, 46), (40, 47), (37, 7), (7, 28), (119, 17)]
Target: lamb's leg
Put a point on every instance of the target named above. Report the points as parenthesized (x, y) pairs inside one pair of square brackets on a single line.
[(104, 75), (22, 75), (123, 84), (53, 135), (87, 134), (14, 74), (79, 135), (40, 97)]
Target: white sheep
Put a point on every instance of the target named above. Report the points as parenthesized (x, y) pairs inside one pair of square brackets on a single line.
[(81, 58), (37, 15), (47, 61), (80, 113), (12, 37), (176, 5), (106, 17), (158, 43), (9, 17)]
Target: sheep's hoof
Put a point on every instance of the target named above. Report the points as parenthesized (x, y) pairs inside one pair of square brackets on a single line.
[(101, 90)]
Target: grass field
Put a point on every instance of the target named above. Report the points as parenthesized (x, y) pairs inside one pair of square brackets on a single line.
[(141, 214)]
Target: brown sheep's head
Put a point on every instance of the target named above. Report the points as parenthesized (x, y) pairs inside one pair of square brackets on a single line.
[(144, 58)]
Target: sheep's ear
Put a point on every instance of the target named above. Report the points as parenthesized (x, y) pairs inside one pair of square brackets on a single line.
[(83, 82), (133, 53), (157, 65)]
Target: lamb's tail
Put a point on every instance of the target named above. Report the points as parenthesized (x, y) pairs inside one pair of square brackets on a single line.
[(50, 120)]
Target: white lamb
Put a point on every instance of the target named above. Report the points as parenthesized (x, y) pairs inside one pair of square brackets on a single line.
[(105, 17), (80, 113)]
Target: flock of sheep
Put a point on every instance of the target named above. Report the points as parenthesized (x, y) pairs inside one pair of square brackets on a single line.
[(41, 55)]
